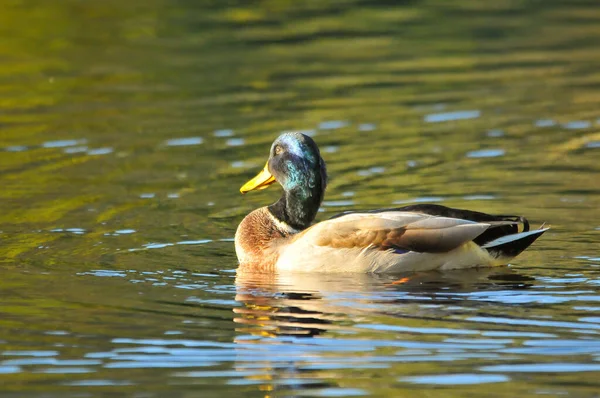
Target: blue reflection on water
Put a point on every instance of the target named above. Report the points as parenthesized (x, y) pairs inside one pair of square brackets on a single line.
[(235, 142), (184, 141), (223, 133), (593, 144), (450, 116), (577, 124), (556, 367), (99, 151), (545, 123), (456, 379), (62, 143), (486, 153), (332, 124)]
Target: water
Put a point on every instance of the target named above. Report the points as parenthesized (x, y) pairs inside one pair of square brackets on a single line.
[(127, 129)]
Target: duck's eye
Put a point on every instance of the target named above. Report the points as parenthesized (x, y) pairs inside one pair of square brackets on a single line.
[(278, 149)]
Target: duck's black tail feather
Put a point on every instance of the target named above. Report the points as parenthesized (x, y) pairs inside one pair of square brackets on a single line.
[(510, 246)]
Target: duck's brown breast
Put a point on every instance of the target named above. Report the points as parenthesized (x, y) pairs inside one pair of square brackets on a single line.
[(258, 239)]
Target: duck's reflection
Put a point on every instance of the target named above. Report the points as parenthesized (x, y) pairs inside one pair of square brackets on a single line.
[(306, 305), (278, 312), (280, 315), (298, 305)]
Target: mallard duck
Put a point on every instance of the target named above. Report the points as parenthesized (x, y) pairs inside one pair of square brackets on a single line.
[(418, 237)]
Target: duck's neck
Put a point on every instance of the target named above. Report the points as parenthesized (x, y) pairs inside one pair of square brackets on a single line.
[(298, 207)]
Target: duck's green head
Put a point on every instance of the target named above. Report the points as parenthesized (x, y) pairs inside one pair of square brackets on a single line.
[(294, 162)]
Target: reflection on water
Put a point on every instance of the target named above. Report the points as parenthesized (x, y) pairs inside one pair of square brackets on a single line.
[(126, 130), (308, 334), (376, 322)]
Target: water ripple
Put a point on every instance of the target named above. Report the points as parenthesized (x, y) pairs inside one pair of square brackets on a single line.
[(451, 116), (63, 143), (457, 379), (558, 367), (223, 133), (333, 125), (184, 141), (486, 153), (99, 151)]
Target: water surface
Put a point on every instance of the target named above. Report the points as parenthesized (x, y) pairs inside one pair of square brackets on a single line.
[(127, 129)]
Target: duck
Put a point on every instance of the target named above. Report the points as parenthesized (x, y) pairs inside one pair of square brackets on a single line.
[(281, 237)]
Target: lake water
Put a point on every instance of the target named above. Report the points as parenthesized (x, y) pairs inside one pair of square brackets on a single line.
[(127, 128)]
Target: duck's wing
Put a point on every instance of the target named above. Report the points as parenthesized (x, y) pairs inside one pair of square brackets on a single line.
[(394, 230), (503, 225)]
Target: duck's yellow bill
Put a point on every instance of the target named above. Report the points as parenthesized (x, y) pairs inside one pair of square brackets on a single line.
[(261, 181)]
